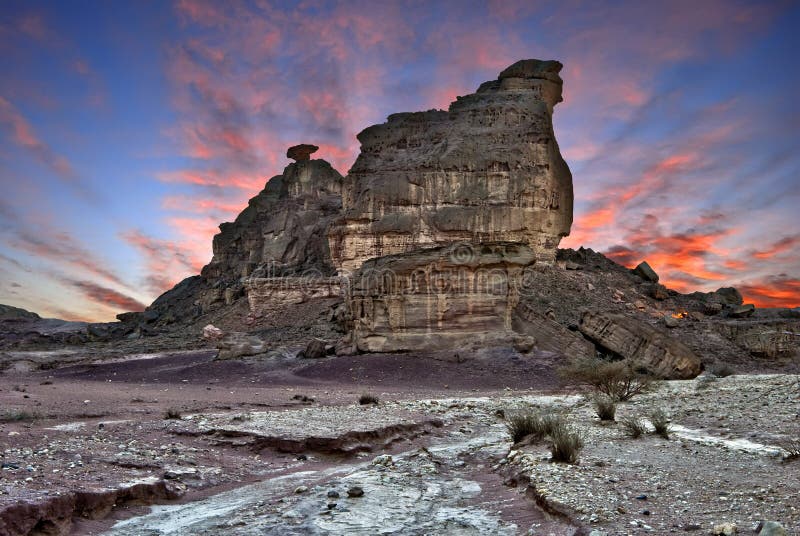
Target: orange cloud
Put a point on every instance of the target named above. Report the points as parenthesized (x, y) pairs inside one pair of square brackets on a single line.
[(24, 136), (106, 296), (778, 291), (786, 244)]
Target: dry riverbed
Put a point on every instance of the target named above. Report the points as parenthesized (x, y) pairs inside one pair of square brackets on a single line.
[(249, 459)]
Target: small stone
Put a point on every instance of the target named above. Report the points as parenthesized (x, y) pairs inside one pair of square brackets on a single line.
[(641, 497), (725, 529), (573, 266), (301, 489), (331, 505), (355, 491), (333, 494), (690, 527), (670, 321)]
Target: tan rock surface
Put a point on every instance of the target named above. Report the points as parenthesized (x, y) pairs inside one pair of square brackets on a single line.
[(439, 298), (488, 169), (641, 343)]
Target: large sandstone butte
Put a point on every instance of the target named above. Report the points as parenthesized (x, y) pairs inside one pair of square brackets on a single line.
[(487, 170)]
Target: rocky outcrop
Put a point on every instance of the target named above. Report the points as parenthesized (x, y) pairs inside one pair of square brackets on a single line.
[(769, 338), (550, 335), (439, 298), (7, 312), (282, 230), (487, 170), (281, 234), (644, 345), (266, 294)]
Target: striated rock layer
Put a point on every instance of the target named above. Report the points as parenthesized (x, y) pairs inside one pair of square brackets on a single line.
[(644, 345), (438, 298), (487, 170)]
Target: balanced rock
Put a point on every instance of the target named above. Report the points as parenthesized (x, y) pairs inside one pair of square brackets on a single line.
[(642, 344), (301, 152), (487, 170)]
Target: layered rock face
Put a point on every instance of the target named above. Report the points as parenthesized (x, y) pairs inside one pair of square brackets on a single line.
[(281, 233), (439, 298), (644, 345), (487, 170)]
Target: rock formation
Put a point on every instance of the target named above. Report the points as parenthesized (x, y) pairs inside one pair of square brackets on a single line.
[(487, 170), (444, 297), (645, 346), (281, 234)]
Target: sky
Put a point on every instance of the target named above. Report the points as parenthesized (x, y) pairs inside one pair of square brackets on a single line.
[(130, 130)]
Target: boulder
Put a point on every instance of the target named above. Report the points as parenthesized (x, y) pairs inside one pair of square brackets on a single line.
[(212, 333), (301, 152), (549, 335), (741, 311), (644, 271), (236, 344), (772, 528), (658, 291), (643, 345), (315, 349), (486, 170), (727, 295)]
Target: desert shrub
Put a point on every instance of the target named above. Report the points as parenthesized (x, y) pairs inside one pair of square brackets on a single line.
[(618, 380), (522, 425), (366, 399), (19, 416), (633, 426), (660, 421), (172, 413), (565, 444), (722, 370), (792, 448), (705, 381), (605, 407)]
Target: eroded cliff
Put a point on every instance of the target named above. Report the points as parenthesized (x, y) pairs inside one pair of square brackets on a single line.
[(487, 170)]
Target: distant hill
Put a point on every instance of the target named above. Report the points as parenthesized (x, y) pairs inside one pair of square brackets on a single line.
[(8, 312)]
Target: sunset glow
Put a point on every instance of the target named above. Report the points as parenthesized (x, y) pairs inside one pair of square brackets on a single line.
[(130, 131)]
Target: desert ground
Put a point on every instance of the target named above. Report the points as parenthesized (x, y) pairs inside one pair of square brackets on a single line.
[(181, 443)]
